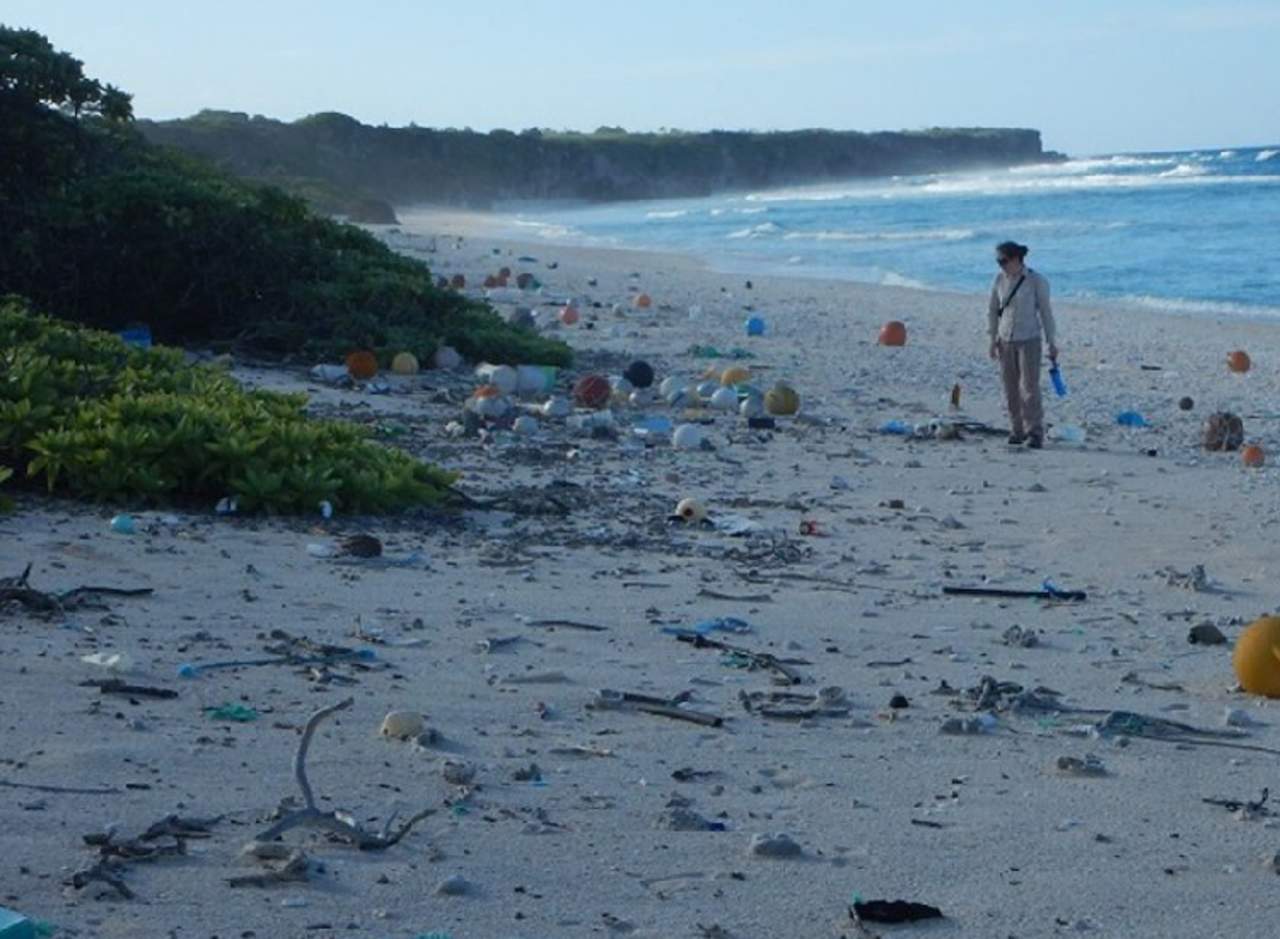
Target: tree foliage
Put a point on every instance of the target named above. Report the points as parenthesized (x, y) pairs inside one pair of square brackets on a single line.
[(103, 228)]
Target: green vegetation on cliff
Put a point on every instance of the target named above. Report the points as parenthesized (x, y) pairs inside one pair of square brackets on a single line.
[(104, 228), (340, 162)]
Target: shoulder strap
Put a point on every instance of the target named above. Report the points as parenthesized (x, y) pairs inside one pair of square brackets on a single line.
[(1009, 299)]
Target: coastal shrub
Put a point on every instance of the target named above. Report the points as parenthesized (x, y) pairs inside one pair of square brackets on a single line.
[(86, 414), (105, 229)]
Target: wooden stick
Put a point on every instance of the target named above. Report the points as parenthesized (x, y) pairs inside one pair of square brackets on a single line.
[(567, 624), (758, 659), (1075, 596), (63, 789)]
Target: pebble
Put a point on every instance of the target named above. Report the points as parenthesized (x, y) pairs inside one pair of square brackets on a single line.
[(774, 846), (682, 819), (453, 886), (1090, 766), (1206, 634)]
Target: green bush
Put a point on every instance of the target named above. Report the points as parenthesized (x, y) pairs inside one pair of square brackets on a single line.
[(103, 228), (88, 415)]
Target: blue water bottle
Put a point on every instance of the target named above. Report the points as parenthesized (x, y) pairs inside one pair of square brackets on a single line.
[(1055, 376)]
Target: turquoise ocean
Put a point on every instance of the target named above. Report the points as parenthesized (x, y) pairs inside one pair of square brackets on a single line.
[(1184, 232)]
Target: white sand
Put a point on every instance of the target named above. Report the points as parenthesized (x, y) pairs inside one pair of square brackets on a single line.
[(1022, 850)]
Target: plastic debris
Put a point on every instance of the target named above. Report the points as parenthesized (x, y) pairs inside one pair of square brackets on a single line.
[(237, 713), (893, 911), (1131, 419), (124, 525)]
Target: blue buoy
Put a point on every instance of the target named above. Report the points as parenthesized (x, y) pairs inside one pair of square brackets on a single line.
[(755, 326)]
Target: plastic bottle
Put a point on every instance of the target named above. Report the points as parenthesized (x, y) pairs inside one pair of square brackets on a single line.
[(1055, 376)]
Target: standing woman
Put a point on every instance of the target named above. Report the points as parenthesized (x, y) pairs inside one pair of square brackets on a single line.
[(1018, 313)]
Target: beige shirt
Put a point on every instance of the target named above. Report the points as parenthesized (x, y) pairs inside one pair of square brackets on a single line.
[(1026, 315)]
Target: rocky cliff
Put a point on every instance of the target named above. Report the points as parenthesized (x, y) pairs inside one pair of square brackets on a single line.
[(347, 167)]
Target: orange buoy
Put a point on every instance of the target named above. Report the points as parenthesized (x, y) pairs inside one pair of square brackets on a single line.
[(569, 314), (1257, 657), (1238, 361), (362, 364), (643, 301), (592, 391), (893, 333), (1253, 456), (457, 282), (487, 391)]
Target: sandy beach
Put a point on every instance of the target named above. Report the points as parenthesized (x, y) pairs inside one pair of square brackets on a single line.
[(567, 820)]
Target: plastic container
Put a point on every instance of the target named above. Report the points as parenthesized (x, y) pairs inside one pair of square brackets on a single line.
[(1059, 384), (14, 925), (1069, 433), (535, 379), (124, 525)]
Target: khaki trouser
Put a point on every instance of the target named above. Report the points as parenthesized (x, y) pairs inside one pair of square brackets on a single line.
[(1020, 370)]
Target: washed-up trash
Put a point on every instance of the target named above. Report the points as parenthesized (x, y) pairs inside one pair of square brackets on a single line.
[(690, 510), (1186, 403), (897, 427), (1206, 634), (724, 399), (535, 379), (592, 391), (735, 375), (1222, 431), (893, 911), (524, 425), (1131, 419), (446, 358), (782, 400), (1047, 592), (737, 526), (330, 374), (402, 725), (228, 505), (687, 437), (237, 713), (569, 315), (711, 352), (1068, 433), (893, 333), (557, 406), (112, 661), (652, 426), (760, 422), (405, 363), (720, 624), (969, 726), (194, 669), (1253, 456), (639, 373), (1089, 767), (124, 525), (1238, 361), (503, 377), (362, 364), (775, 846), (755, 326), (1256, 658)]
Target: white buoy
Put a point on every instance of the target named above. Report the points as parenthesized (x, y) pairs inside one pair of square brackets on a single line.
[(669, 384), (525, 425), (691, 510), (557, 407), (687, 437), (724, 399), (503, 376), (446, 358)]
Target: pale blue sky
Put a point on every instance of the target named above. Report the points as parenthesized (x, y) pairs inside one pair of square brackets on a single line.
[(1093, 76)]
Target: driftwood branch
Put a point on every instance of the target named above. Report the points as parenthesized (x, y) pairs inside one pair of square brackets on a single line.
[(310, 816), (19, 590), (608, 700)]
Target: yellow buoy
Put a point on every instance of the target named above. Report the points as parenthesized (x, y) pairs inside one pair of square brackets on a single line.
[(735, 375), (781, 400), (1257, 657), (405, 363)]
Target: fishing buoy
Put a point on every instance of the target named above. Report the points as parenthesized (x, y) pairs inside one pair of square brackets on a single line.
[(488, 401), (458, 282), (707, 388), (782, 400), (755, 326), (735, 375), (504, 272), (569, 315), (402, 725), (1253, 456), (592, 391), (362, 365), (691, 510), (1239, 361), (524, 280), (405, 363), (669, 384), (535, 379), (1186, 404), (752, 406), (1257, 657), (724, 399), (643, 301), (687, 437), (446, 358), (639, 373), (504, 376), (524, 425), (893, 333), (557, 407)]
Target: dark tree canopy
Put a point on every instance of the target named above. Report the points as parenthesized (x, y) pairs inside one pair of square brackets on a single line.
[(33, 73)]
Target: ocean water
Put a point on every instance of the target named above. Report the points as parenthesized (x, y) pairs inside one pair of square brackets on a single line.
[(1190, 232)]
